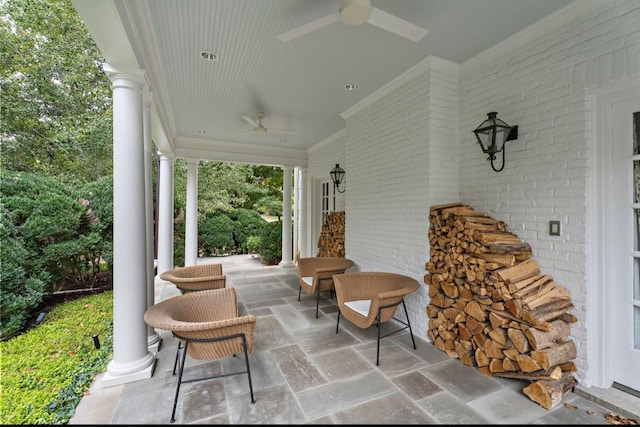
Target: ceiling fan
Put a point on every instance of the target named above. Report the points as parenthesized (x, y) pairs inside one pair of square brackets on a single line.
[(259, 128), (357, 12)]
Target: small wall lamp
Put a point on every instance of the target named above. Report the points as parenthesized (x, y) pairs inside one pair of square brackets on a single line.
[(337, 176), (492, 134)]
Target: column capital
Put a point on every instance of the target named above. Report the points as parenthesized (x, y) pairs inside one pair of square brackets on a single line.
[(120, 75)]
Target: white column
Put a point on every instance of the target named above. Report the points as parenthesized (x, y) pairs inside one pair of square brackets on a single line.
[(296, 213), (303, 233), (132, 360), (191, 225), (286, 218), (153, 338), (165, 217)]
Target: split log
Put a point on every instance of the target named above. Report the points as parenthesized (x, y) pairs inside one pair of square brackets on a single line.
[(519, 272), (510, 365), (546, 296), (568, 317), (549, 393), (506, 260), (521, 251), (481, 357), (546, 312), (515, 287), (527, 363), (540, 339), (496, 320), (499, 335), (435, 208), (551, 356), (474, 310), (495, 366), (519, 340), (493, 349), (552, 374)]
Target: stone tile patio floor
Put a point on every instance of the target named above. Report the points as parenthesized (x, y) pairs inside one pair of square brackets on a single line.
[(305, 373)]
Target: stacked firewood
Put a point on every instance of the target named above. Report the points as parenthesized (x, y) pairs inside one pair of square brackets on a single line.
[(492, 308), (331, 240)]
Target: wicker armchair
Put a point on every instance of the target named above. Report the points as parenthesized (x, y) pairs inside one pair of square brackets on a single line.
[(196, 277), (315, 274), (208, 327), (367, 298)]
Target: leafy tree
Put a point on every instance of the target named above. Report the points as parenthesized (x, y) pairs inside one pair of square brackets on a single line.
[(55, 100), (269, 205)]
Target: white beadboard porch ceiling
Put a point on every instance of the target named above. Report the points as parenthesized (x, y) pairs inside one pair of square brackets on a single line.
[(299, 84)]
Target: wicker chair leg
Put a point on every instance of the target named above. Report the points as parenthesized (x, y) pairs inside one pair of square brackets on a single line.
[(299, 291), (338, 322)]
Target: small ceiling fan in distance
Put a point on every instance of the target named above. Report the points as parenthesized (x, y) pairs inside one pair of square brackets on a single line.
[(357, 12), (259, 128)]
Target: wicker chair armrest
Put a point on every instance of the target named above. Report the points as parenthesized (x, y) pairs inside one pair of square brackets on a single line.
[(179, 279), (307, 266), (327, 273), (395, 293)]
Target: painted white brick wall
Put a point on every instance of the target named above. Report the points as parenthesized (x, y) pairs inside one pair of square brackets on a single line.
[(413, 147), (539, 84), (323, 157), (402, 156)]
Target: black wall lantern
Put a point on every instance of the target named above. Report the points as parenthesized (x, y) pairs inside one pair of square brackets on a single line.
[(337, 176), (492, 134)]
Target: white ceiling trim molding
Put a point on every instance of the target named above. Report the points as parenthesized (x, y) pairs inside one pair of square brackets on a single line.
[(429, 63), (219, 151), (237, 157), (107, 31), (144, 47), (530, 33), (341, 134)]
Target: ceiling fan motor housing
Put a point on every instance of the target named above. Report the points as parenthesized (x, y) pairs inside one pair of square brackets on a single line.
[(355, 12)]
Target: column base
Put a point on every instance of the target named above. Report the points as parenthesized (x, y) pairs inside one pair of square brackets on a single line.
[(117, 375), (286, 264)]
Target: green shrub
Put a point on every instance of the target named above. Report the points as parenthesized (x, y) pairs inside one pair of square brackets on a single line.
[(97, 197), (253, 244), (271, 243), (49, 240), (20, 291), (216, 234), (245, 223), (46, 370)]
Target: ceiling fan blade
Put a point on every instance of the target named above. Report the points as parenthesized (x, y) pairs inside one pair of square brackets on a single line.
[(244, 132), (250, 121), (309, 27), (396, 25)]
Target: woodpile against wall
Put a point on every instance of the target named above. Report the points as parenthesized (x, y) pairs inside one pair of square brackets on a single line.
[(331, 240), (493, 309)]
